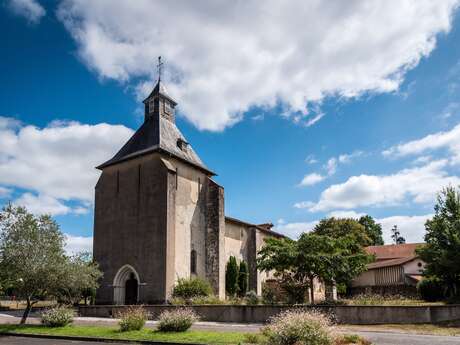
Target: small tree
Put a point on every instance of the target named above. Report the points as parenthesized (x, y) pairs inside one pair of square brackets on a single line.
[(313, 256), (31, 255), (243, 279), (441, 252), (231, 276), (373, 230), (396, 235), (80, 278), (33, 263)]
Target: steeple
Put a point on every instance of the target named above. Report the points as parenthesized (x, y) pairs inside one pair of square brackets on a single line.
[(158, 133), (159, 103)]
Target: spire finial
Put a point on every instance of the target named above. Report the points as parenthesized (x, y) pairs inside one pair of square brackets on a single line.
[(160, 68)]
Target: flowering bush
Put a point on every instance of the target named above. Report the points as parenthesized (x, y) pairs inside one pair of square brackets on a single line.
[(297, 327), (132, 319), (178, 320), (57, 317)]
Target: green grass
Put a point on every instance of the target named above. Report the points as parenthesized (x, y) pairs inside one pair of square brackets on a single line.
[(203, 337)]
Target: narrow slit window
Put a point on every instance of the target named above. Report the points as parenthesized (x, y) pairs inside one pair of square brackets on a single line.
[(193, 262)]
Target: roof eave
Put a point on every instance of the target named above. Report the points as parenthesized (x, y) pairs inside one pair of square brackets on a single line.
[(152, 150)]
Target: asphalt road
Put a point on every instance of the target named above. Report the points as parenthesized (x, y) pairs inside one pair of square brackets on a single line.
[(375, 337)]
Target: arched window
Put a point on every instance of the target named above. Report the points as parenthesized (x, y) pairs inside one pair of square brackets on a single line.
[(193, 261)]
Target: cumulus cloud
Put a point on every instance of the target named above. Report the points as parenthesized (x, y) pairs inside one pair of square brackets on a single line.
[(330, 167), (56, 163), (412, 228), (311, 179), (29, 9), (77, 244), (418, 184), (224, 57), (5, 192), (345, 214), (449, 140), (294, 230)]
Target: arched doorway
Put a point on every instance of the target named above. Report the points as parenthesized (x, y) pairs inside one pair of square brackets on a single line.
[(126, 286)]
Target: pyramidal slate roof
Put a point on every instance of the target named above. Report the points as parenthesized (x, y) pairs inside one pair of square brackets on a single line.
[(158, 134)]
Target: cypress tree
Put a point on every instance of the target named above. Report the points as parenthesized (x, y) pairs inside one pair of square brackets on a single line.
[(243, 279), (231, 276)]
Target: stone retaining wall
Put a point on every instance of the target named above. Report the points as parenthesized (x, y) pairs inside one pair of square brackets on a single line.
[(354, 315)]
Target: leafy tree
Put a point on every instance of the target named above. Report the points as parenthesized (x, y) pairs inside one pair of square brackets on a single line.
[(396, 236), (31, 255), (81, 275), (243, 279), (441, 252), (231, 276), (373, 230), (342, 227), (313, 256), (32, 259)]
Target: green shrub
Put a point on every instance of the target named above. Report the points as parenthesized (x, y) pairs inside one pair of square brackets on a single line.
[(178, 320), (300, 328), (268, 295), (231, 276), (332, 302), (431, 289), (191, 288), (132, 319), (57, 317), (243, 279), (251, 298), (197, 300)]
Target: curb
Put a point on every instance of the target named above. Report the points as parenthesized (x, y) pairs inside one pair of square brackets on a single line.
[(95, 339)]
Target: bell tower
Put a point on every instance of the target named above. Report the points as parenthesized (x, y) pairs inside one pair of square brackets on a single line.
[(159, 103)]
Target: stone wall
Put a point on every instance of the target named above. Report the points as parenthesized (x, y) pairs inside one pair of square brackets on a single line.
[(358, 315), (127, 232), (215, 238)]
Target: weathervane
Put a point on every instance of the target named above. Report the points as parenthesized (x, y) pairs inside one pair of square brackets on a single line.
[(160, 68)]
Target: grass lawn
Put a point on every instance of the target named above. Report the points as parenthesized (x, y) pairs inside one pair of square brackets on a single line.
[(145, 334), (451, 330)]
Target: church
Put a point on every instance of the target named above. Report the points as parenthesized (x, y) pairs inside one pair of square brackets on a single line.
[(159, 216)]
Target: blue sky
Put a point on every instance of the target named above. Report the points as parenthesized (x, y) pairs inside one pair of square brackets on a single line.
[(354, 113)]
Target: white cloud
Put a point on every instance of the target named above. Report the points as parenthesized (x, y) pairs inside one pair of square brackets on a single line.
[(345, 214), (412, 228), (5, 192), (311, 159), (330, 167), (294, 230), (42, 204), (311, 179), (45, 204), (29, 9), (224, 57), (419, 184), (77, 244), (449, 140), (304, 204), (56, 162)]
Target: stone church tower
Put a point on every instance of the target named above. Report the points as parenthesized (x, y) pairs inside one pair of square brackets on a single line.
[(159, 215)]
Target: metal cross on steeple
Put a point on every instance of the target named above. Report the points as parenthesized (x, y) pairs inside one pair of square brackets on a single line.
[(160, 68)]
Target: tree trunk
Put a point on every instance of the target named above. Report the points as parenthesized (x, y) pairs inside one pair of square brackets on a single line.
[(312, 291), (26, 311)]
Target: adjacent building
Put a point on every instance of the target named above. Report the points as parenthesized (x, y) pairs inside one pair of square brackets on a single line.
[(159, 216), (396, 270)]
